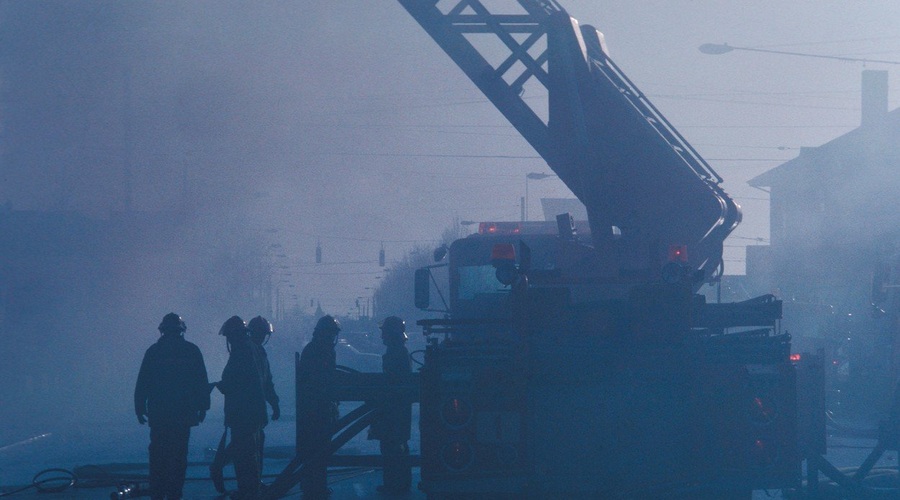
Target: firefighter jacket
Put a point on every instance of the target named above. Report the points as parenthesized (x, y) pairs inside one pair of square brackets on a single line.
[(268, 384), (172, 387), (315, 375), (394, 417), (243, 381)]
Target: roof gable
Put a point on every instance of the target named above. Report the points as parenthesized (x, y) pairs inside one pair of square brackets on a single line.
[(865, 143)]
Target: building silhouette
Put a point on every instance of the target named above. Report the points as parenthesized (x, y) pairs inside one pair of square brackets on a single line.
[(835, 230)]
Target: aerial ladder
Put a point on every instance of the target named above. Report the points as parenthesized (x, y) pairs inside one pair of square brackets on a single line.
[(646, 189), (673, 395)]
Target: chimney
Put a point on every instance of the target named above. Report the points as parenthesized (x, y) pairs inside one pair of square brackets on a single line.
[(874, 96)]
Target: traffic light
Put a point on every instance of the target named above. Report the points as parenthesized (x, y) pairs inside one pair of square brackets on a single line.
[(381, 256), (318, 253)]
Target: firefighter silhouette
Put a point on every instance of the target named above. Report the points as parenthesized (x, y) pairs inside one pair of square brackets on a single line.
[(260, 331), (245, 404), (316, 409), (394, 418), (172, 394)]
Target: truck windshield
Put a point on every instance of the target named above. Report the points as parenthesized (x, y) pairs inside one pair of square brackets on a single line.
[(477, 280), (475, 291)]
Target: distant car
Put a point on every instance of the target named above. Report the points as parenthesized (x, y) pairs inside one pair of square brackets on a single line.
[(351, 357)]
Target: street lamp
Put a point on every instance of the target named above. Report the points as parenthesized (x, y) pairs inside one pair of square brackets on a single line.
[(716, 49), (536, 176), (370, 298)]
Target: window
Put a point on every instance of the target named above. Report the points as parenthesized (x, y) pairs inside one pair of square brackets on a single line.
[(476, 280)]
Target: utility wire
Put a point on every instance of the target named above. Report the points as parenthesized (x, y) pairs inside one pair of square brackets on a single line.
[(767, 126), (433, 155), (426, 155), (830, 42), (756, 103)]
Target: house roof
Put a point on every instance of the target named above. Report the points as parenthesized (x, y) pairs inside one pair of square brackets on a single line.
[(855, 143)]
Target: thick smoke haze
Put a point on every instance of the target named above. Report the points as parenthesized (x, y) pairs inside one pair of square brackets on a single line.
[(187, 138)]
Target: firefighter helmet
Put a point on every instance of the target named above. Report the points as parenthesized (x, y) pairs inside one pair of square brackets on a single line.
[(260, 327), (327, 325), (171, 323), (233, 326), (393, 330)]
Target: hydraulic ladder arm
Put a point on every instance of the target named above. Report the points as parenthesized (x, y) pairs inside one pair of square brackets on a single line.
[(449, 30), (599, 133)]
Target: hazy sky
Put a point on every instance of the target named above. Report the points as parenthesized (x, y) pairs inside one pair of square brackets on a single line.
[(342, 122)]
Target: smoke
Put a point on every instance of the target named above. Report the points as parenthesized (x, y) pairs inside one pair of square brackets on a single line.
[(186, 157), (190, 138)]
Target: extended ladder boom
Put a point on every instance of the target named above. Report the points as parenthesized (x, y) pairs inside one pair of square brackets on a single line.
[(599, 133)]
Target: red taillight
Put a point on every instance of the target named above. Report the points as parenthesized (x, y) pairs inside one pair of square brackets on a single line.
[(457, 455), (795, 357), (762, 412), (456, 413), (764, 454), (678, 253)]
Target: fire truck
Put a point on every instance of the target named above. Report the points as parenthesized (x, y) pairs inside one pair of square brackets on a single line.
[(576, 359), (580, 362), (545, 381)]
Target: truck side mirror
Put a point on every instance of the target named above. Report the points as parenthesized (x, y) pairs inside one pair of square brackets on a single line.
[(440, 252), (423, 288), (565, 224)]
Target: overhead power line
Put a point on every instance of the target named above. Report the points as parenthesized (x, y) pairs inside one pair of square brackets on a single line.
[(745, 159), (432, 155), (373, 240), (767, 126), (340, 273), (311, 264), (427, 155)]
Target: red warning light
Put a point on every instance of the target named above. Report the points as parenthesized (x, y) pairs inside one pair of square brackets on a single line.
[(678, 253), (499, 228), (487, 228), (795, 357)]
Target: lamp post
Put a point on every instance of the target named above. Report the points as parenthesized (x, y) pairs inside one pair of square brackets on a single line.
[(370, 299), (716, 49), (531, 176)]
